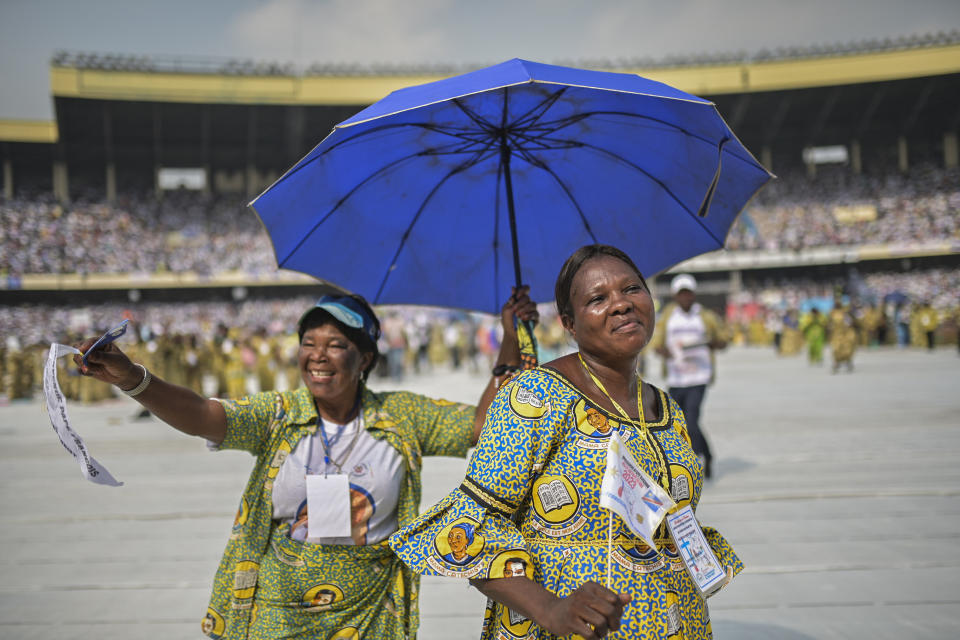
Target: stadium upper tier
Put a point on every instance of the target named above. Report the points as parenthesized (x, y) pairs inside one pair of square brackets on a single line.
[(188, 79), (191, 239), (207, 80)]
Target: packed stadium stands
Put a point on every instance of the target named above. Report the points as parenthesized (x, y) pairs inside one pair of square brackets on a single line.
[(187, 231), (796, 212), (137, 234)]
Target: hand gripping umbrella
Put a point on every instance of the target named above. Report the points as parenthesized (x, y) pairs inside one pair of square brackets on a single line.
[(435, 193)]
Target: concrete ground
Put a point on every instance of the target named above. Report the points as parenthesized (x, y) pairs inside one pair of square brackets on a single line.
[(840, 492)]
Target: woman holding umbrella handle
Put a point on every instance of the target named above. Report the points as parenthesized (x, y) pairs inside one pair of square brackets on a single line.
[(541, 546), (332, 446)]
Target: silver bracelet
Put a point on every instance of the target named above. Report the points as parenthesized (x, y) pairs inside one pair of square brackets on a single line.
[(137, 390)]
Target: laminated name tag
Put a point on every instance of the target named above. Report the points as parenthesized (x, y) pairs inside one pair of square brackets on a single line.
[(695, 551), (328, 506)]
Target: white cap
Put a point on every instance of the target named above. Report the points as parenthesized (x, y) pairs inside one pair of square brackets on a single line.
[(682, 281)]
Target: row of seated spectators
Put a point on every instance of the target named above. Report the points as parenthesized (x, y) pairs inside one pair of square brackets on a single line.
[(840, 208), (182, 232), (210, 235)]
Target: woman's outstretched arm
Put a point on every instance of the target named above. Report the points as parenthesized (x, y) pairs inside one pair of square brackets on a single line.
[(178, 406)]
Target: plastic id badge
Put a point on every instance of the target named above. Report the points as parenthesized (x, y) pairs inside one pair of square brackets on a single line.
[(106, 339), (698, 557), (328, 506)]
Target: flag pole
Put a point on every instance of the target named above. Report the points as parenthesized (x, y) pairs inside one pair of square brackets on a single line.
[(609, 547)]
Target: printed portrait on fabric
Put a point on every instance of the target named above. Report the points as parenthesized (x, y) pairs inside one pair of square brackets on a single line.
[(321, 597), (456, 549), (459, 543), (593, 426), (511, 563)]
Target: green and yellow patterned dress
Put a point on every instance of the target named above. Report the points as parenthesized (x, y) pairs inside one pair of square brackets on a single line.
[(271, 586), (530, 503)]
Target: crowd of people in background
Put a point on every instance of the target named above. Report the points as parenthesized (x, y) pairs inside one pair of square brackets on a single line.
[(840, 208), (180, 340), (183, 232), (207, 235), (910, 309), (247, 345)]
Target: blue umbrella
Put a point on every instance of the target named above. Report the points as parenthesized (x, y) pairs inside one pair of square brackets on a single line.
[(896, 297), (449, 192)]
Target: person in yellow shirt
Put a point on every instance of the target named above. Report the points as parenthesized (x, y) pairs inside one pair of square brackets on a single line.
[(927, 323), (842, 326)]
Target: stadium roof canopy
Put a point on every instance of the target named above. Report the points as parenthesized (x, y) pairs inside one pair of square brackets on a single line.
[(140, 113), (205, 80)]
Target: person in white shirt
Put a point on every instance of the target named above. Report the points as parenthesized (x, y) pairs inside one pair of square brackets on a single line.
[(687, 335)]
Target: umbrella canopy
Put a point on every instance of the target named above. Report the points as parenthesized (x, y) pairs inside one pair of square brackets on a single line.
[(450, 192), (896, 297)]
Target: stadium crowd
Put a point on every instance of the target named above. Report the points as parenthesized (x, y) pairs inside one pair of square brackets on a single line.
[(245, 346), (891, 308), (231, 349), (182, 232), (840, 208), (207, 235), (249, 340)]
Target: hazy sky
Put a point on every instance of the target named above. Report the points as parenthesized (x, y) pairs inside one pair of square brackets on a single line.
[(417, 31)]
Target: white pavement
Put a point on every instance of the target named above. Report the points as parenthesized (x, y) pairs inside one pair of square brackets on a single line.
[(840, 492)]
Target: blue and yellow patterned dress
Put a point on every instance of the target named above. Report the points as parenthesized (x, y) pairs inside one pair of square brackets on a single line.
[(270, 586), (530, 504)]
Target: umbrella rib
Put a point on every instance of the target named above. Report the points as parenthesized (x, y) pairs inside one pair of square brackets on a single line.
[(342, 200), (693, 215), (537, 111), (581, 116), (413, 223), (545, 129), (449, 131), (536, 162), (539, 141), (483, 124), (478, 156)]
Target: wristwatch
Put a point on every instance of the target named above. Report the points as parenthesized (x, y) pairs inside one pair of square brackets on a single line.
[(503, 369)]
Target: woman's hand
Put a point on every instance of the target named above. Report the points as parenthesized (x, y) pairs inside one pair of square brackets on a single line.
[(519, 305), (178, 406), (108, 364), (590, 611)]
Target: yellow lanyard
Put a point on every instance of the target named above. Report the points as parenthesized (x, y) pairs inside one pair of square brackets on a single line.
[(648, 437)]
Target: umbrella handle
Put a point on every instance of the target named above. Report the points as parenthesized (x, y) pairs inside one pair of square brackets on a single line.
[(528, 343)]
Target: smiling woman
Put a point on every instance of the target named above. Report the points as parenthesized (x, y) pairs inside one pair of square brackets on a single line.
[(337, 472), (532, 487)]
